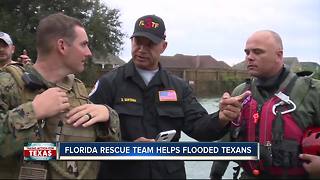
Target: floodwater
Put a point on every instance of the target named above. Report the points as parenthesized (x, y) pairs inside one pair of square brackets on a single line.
[(201, 169)]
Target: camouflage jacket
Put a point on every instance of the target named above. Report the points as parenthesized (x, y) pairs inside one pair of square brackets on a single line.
[(19, 125)]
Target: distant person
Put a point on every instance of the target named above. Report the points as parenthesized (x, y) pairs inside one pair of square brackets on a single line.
[(150, 100), (282, 106), (6, 49), (46, 103), (24, 58)]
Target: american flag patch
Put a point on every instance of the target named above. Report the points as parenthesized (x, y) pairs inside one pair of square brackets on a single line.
[(168, 95)]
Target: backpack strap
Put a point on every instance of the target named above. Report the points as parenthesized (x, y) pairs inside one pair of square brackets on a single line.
[(16, 70), (242, 87), (305, 85), (235, 129), (80, 89), (278, 124), (26, 81), (75, 85)]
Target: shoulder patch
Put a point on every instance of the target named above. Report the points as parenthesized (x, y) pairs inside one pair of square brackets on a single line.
[(94, 88)]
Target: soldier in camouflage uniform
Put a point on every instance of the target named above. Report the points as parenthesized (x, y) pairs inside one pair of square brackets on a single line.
[(46, 103), (6, 49)]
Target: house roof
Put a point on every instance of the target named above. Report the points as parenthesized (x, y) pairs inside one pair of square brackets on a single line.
[(109, 59), (181, 61), (289, 61)]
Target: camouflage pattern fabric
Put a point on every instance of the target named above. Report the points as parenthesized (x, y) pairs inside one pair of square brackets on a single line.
[(18, 125)]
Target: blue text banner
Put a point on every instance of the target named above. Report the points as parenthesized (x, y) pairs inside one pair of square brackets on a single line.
[(158, 151)]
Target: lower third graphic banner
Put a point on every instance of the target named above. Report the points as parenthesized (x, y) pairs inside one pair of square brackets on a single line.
[(157, 151)]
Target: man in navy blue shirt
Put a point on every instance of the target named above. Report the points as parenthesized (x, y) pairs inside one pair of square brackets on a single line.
[(149, 100)]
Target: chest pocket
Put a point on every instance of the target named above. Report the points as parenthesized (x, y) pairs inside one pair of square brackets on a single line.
[(130, 115), (77, 96), (170, 116), (171, 110)]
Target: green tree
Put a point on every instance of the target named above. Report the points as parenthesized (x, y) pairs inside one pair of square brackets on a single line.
[(104, 35), (103, 29), (20, 18)]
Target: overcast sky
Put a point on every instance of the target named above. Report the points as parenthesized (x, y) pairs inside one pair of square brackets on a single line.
[(220, 27)]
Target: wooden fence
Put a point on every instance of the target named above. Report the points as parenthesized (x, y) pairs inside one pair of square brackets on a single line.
[(208, 82), (211, 82)]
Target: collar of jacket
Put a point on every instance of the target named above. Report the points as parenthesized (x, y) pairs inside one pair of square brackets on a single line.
[(66, 83), (280, 82), (130, 71), (273, 82)]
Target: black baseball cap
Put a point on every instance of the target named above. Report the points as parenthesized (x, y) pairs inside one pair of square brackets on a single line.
[(151, 27)]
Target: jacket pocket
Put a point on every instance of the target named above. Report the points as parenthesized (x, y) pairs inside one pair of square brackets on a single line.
[(131, 109), (170, 110), (171, 116), (130, 115)]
